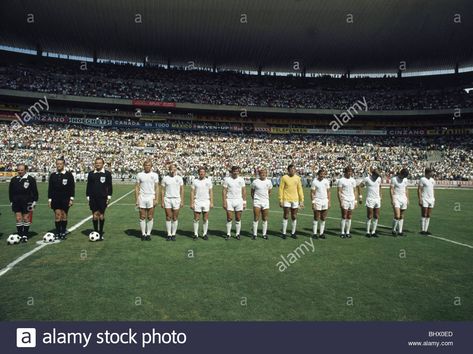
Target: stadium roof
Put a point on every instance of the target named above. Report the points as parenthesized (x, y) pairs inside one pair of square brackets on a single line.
[(320, 35)]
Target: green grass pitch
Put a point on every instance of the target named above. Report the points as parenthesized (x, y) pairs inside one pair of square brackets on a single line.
[(411, 278)]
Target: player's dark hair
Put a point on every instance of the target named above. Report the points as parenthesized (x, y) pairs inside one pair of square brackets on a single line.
[(347, 169), (235, 168), (201, 169), (404, 173), (61, 159), (375, 174), (319, 172), (290, 166), (428, 171), (99, 158)]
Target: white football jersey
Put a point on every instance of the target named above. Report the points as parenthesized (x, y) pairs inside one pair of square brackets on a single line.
[(427, 185), (172, 186), (261, 188), (202, 188), (347, 185), (234, 186), (372, 187), (147, 182), (399, 185), (320, 188)]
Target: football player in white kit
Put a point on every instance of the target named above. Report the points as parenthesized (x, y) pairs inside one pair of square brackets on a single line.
[(172, 200), (234, 200), (260, 193), (348, 200), (399, 200), (320, 202), (202, 200), (425, 193), (372, 182), (146, 193)]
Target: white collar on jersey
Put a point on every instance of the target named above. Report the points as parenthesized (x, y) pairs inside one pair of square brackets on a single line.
[(63, 172), (101, 171), (26, 175)]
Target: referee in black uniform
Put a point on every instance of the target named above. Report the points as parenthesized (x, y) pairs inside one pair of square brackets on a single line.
[(99, 192), (61, 193), (23, 193)]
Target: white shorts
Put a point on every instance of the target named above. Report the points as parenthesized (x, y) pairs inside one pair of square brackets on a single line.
[(261, 204), (292, 205), (235, 204), (348, 204), (145, 201), (201, 206), (400, 202), (320, 204), (172, 203), (373, 203), (428, 203)]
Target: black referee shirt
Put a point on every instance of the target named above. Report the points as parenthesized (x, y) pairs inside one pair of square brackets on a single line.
[(23, 189), (61, 186), (99, 184)]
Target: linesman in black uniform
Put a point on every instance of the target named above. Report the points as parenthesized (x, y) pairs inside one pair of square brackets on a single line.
[(23, 193), (99, 192), (61, 193)]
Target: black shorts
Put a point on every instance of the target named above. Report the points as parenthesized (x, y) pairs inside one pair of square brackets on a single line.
[(21, 206), (61, 204), (98, 204)]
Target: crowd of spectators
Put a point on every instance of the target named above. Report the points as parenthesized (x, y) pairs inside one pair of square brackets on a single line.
[(229, 88), (124, 151)]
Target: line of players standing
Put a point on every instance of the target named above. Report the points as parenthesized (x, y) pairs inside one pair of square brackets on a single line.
[(23, 194)]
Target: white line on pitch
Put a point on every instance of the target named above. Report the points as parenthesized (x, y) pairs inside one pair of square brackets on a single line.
[(437, 237), (37, 248)]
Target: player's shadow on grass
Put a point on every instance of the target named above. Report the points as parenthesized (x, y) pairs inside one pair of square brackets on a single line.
[(305, 234), (218, 233), (86, 232), (185, 233), (133, 232), (332, 233), (157, 233), (32, 234), (137, 233), (244, 233)]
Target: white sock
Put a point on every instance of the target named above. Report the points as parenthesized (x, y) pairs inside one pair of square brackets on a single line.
[(173, 227), (314, 227), (284, 226), (374, 224), (168, 227), (196, 227), (368, 225), (342, 226), (427, 222), (395, 224), (400, 225), (237, 227), (143, 226), (149, 227), (322, 227), (255, 228), (293, 226), (422, 224), (229, 228), (348, 225), (205, 226), (265, 227)]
